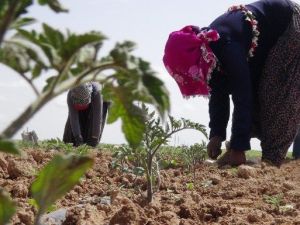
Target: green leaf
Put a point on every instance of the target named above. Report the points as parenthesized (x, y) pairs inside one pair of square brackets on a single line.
[(9, 147), (53, 36), (49, 82), (158, 91), (57, 178), (3, 7), (114, 113), (22, 7), (15, 57), (41, 42), (22, 22), (7, 208), (190, 186), (75, 42), (120, 53), (133, 125), (37, 70), (54, 5)]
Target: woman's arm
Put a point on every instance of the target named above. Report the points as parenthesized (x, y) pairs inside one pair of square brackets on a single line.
[(74, 121), (97, 112), (234, 59), (219, 105)]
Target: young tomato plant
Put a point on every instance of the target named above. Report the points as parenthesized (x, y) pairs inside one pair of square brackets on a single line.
[(156, 135)]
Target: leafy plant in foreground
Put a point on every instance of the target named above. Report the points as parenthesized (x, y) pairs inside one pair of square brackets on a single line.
[(7, 207), (7, 146), (71, 59), (56, 179)]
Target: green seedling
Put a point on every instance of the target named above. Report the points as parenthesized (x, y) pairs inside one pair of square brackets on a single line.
[(190, 186), (275, 200), (193, 155), (155, 136)]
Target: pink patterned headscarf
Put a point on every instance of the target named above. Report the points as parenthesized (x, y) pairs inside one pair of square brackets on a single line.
[(189, 59)]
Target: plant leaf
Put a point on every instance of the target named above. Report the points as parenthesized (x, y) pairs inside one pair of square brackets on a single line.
[(53, 36), (159, 93), (9, 147), (57, 178), (7, 207), (54, 5), (22, 22), (36, 71), (75, 42), (133, 125)]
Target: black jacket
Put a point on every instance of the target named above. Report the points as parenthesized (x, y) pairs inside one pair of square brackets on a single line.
[(238, 76)]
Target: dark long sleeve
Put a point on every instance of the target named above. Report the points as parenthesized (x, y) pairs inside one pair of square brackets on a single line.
[(235, 59), (219, 105), (74, 118), (97, 103), (243, 75)]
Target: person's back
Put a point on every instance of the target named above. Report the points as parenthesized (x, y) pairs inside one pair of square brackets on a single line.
[(250, 53), (87, 114), (273, 17)]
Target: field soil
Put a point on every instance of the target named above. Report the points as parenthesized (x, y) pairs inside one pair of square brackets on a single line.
[(257, 194)]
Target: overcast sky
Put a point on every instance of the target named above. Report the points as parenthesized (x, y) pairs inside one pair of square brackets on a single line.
[(147, 23)]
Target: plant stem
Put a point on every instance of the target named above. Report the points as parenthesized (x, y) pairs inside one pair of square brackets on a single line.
[(8, 18), (31, 84), (149, 177)]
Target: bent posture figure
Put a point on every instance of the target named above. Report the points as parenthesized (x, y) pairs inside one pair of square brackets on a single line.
[(251, 52), (87, 114)]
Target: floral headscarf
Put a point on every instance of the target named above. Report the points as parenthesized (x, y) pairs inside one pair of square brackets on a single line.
[(189, 59), (81, 96)]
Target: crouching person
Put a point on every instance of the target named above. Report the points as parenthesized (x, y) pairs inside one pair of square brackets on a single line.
[(87, 114)]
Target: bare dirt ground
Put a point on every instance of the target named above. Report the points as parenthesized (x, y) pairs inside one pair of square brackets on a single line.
[(245, 195)]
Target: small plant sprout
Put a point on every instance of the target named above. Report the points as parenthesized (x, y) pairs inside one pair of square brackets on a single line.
[(275, 200), (156, 135), (190, 186)]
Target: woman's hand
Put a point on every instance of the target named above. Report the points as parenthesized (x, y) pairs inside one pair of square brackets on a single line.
[(78, 140), (214, 147), (93, 141)]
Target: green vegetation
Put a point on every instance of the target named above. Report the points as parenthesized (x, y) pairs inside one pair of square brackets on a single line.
[(7, 207), (157, 134), (254, 154), (275, 200), (58, 177), (74, 59), (193, 155), (71, 59)]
